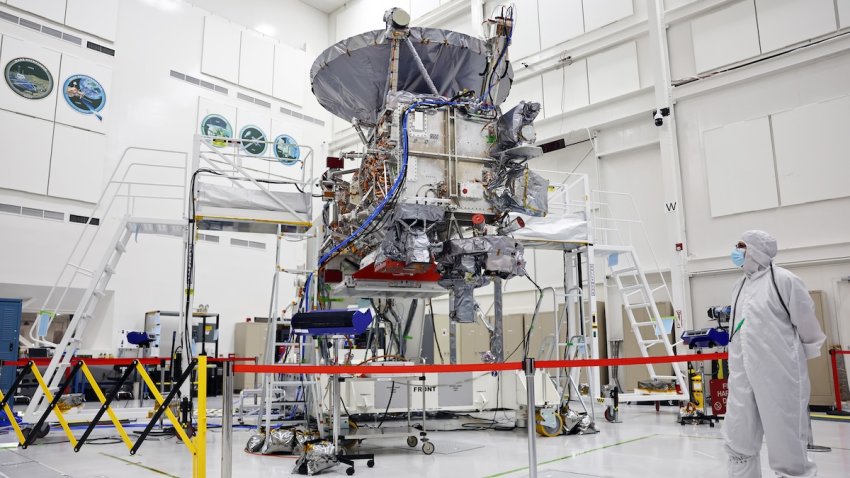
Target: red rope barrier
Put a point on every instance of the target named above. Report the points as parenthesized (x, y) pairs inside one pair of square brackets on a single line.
[(481, 367), (41, 362)]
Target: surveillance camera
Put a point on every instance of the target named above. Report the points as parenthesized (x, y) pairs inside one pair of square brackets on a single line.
[(659, 118)]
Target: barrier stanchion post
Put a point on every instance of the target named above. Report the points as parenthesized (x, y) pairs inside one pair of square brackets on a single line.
[(836, 384), (528, 367), (227, 422), (201, 435)]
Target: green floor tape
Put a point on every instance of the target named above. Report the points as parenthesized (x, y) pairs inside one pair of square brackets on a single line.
[(572, 456), (140, 465), (830, 418)]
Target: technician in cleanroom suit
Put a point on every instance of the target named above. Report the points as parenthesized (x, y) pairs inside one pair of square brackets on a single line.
[(774, 332)]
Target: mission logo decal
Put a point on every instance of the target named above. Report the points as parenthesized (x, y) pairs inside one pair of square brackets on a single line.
[(85, 95), (217, 126), (253, 140), (28, 78), (286, 150)]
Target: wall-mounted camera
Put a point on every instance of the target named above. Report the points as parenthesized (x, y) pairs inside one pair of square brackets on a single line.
[(720, 313), (659, 114)]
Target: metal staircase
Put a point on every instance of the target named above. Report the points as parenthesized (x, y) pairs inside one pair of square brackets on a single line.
[(637, 295), (98, 281)]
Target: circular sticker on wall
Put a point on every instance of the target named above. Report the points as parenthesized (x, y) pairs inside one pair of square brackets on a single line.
[(286, 150), (28, 78), (216, 126), (85, 95), (253, 140)]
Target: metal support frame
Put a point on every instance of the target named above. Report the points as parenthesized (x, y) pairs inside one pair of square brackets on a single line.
[(531, 422), (227, 422), (497, 340), (670, 166)]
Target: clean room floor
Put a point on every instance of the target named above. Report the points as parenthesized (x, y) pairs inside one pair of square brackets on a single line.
[(645, 444)]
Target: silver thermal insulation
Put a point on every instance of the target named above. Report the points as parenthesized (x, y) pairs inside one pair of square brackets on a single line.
[(350, 78), (214, 195), (510, 125), (566, 228), (519, 189), (466, 264), (410, 234), (318, 456)]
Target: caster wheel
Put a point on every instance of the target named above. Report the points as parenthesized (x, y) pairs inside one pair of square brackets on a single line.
[(427, 448), (609, 414), (43, 431), (412, 441), (349, 471), (370, 463), (549, 431)]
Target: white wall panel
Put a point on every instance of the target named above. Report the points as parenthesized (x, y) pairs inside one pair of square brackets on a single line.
[(725, 36), (812, 145), (292, 127), (421, 7), (290, 74), (41, 108), (671, 4), (76, 164), (783, 22), (526, 90), (66, 114), (256, 62), (598, 13), (463, 24), (646, 63), (560, 20), (98, 17), (526, 36), (843, 12), (25, 160), (220, 57), (565, 89), (613, 72), (630, 173), (364, 15), (50, 9), (739, 163)]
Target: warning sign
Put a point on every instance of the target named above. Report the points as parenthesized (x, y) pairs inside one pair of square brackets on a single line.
[(719, 395)]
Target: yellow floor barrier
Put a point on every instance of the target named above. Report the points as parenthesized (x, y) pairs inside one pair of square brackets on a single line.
[(197, 445)]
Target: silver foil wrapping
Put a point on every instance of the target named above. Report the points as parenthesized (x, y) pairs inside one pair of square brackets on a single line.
[(510, 124), (280, 440), (317, 457), (255, 443)]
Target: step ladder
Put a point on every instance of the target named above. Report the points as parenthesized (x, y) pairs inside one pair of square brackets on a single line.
[(98, 281), (637, 295)]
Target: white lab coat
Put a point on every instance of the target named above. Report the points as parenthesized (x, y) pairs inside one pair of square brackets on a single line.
[(768, 376)]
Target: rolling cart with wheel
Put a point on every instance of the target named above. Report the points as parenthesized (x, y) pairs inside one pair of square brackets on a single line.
[(414, 434)]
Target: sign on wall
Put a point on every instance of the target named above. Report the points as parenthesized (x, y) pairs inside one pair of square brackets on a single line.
[(217, 126), (28, 78), (286, 150), (85, 95), (253, 140)]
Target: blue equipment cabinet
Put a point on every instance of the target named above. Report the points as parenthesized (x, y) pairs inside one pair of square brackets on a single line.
[(10, 329)]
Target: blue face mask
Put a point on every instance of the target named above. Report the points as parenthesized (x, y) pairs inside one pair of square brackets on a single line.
[(738, 257)]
